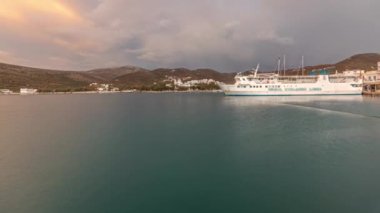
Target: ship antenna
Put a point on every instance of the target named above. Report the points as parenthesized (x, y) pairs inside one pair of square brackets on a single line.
[(257, 69)]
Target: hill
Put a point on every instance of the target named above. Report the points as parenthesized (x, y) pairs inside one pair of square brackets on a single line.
[(14, 77), (129, 77), (108, 74), (367, 62)]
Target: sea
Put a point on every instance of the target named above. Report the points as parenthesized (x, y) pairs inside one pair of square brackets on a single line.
[(189, 153)]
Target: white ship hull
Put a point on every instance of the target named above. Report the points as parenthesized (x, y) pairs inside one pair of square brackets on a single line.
[(292, 93), (272, 86)]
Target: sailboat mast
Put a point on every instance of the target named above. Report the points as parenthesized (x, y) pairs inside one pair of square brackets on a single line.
[(279, 65), (302, 64)]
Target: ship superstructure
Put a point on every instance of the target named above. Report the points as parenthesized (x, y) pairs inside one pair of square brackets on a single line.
[(272, 84)]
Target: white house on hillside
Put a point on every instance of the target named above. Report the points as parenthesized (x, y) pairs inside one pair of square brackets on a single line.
[(28, 91)]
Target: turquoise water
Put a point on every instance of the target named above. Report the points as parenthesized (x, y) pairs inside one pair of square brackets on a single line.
[(189, 153)]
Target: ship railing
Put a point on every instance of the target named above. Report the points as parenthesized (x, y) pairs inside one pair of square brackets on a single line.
[(298, 79), (343, 79)]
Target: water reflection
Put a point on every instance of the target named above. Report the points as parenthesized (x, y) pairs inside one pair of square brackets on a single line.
[(344, 105), (274, 100)]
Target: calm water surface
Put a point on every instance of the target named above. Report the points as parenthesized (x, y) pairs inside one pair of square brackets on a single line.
[(189, 153)]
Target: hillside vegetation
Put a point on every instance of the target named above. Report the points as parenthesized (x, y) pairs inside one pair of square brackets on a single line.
[(15, 77), (365, 62)]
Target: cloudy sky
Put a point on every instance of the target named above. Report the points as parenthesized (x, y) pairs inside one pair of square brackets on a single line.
[(220, 34)]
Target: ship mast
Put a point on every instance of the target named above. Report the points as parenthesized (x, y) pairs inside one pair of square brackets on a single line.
[(284, 64)]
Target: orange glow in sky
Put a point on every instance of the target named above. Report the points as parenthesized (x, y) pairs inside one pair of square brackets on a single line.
[(18, 10)]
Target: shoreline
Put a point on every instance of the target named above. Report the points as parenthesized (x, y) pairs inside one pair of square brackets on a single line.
[(110, 92)]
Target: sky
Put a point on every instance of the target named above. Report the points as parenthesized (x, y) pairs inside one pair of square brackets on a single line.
[(225, 35)]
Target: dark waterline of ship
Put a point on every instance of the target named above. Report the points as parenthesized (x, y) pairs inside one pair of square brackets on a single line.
[(189, 153)]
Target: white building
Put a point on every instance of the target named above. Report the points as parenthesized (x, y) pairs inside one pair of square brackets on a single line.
[(178, 82), (104, 87), (27, 91), (371, 81), (372, 77)]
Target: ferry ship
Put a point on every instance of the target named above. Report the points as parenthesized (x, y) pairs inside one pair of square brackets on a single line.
[(274, 84)]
